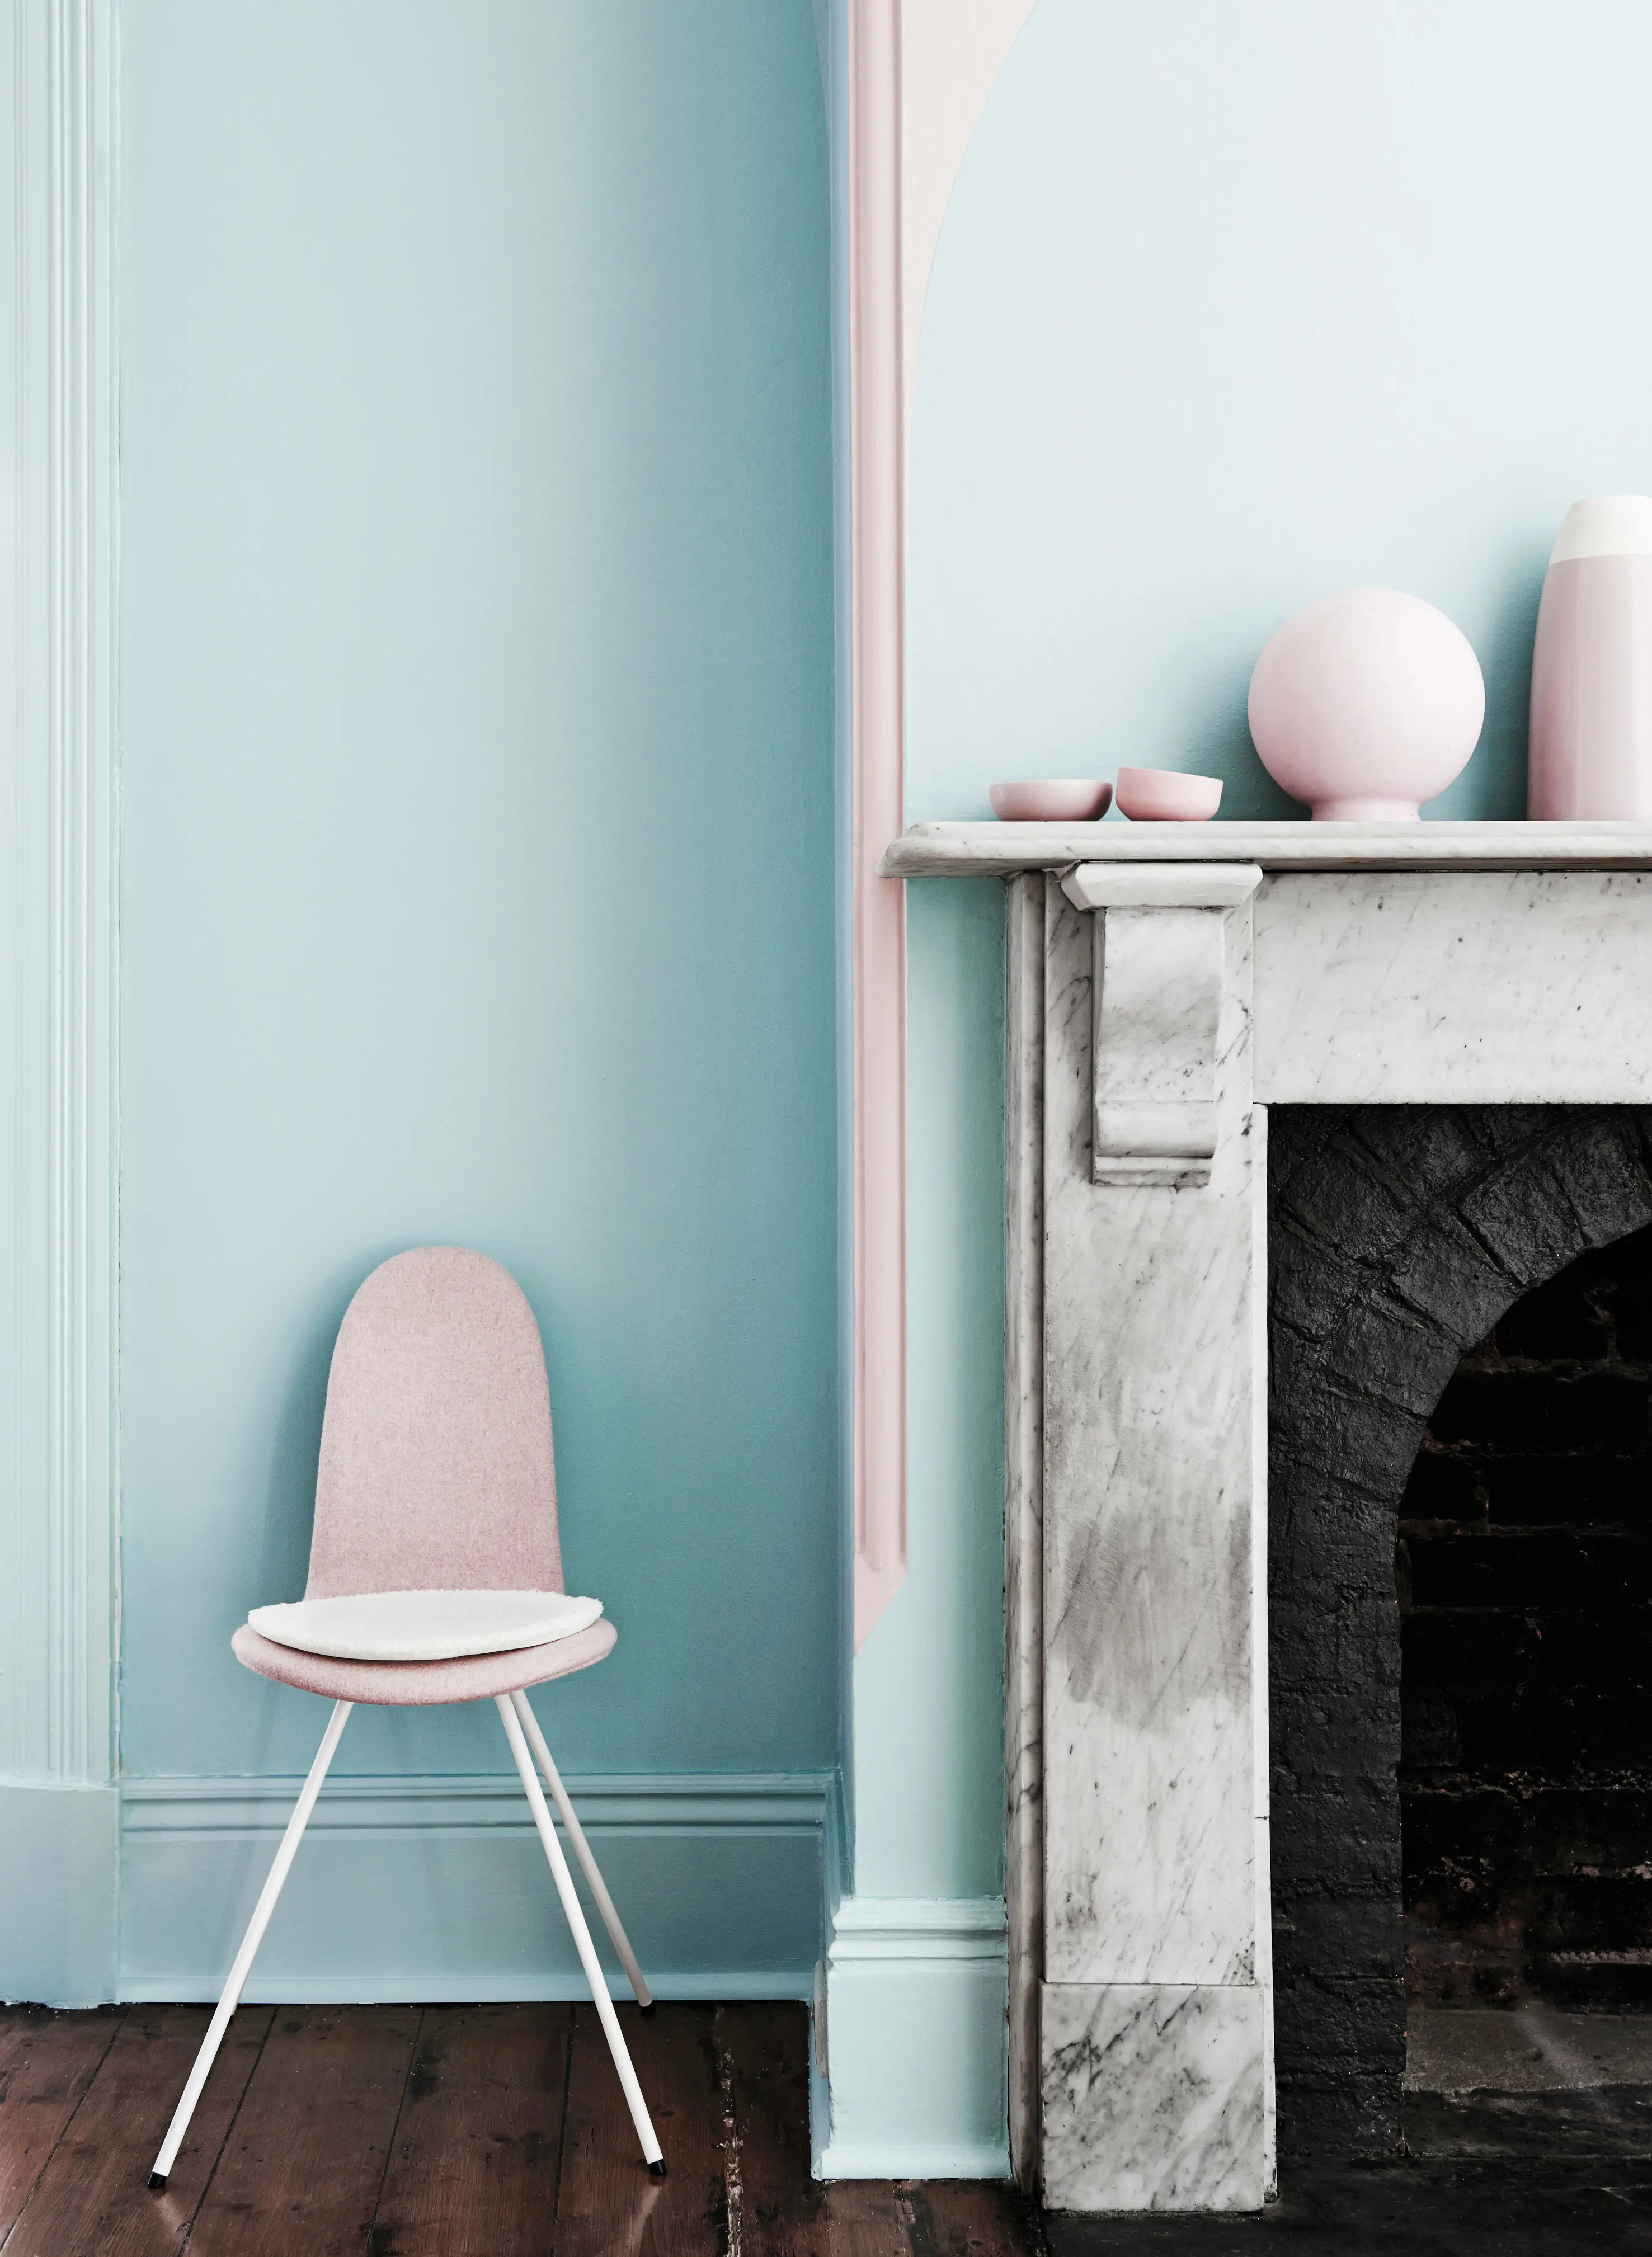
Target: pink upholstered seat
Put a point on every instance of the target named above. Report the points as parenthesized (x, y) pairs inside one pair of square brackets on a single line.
[(436, 1472)]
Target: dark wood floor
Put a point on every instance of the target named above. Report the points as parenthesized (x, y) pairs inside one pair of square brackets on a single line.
[(500, 2132), (444, 2132)]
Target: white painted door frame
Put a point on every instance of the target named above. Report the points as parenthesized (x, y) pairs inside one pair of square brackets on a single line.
[(58, 1477)]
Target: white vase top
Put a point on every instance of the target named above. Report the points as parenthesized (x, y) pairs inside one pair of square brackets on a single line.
[(1610, 525)]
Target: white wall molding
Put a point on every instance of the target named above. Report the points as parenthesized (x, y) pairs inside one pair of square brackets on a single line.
[(57, 1250), (434, 1887), (917, 1927), (56, 1696), (916, 2040)]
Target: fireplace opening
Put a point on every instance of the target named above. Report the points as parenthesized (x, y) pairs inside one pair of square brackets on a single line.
[(1459, 1365), (1523, 1570)]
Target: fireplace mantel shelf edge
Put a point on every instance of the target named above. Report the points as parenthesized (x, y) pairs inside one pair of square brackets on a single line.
[(983, 850)]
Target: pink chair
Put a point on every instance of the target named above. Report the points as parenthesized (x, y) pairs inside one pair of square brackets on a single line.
[(437, 1476)]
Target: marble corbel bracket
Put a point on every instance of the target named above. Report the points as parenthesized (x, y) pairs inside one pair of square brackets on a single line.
[(1160, 960)]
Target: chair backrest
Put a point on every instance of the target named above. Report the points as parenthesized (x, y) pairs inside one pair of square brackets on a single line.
[(436, 1471)]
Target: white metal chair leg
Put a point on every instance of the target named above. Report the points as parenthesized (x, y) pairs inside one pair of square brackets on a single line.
[(576, 1834), (249, 1943), (587, 1950)]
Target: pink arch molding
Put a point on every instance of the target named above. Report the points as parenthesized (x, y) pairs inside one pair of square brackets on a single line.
[(919, 73)]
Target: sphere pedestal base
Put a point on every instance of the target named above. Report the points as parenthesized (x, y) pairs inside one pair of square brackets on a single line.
[(1367, 810)]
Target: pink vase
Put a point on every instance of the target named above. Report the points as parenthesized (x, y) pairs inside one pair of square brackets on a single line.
[(1591, 755)]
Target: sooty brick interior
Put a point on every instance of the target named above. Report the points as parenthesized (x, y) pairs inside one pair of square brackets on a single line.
[(1525, 1579), (1400, 1238)]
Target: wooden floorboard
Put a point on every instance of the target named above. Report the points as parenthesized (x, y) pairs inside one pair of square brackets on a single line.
[(47, 2063), (445, 2132), (763, 2056), (974, 2217), (305, 2159), (93, 2194), (785, 2211), (607, 2205), (473, 2165), (438, 2131)]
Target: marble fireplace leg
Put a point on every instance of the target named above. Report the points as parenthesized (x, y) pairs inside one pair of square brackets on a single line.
[(1024, 1507), (1154, 2004)]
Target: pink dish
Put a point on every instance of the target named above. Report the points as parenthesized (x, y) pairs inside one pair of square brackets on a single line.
[(1064, 799), (1166, 795)]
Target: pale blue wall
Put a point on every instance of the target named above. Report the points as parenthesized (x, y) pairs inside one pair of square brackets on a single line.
[(1237, 302), (1242, 301), (476, 742), (928, 1681)]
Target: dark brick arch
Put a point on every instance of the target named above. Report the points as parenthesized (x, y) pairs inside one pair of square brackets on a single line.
[(1398, 1235)]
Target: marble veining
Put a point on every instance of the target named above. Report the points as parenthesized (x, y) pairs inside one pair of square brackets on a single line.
[(1146, 1021), (1479, 988), (1157, 1013), (1149, 1490), (1153, 2098), (1024, 1507)]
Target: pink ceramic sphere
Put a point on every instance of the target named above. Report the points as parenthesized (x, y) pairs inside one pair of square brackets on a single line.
[(1365, 705)]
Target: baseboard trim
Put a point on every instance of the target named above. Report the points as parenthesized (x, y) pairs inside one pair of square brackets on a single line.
[(871, 2159), (722, 1985), (766, 1803), (57, 1865), (434, 1887), (915, 2040), (950, 1929)]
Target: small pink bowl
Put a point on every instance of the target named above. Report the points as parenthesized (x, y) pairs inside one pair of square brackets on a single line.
[(1166, 795), (1059, 800)]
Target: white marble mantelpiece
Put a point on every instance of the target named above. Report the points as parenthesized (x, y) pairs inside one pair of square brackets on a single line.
[(1149, 1956), (987, 850), (1162, 969), (1454, 987), (1151, 2097), (1166, 984)]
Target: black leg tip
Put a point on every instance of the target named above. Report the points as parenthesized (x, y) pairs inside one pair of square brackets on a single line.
[(649, 2009), (657, 2169), (157, 2180)]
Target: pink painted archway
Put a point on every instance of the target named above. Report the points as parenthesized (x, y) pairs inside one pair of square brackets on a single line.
[(918, 76)]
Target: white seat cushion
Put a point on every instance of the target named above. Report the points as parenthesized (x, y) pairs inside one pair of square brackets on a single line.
[(424, 1625)]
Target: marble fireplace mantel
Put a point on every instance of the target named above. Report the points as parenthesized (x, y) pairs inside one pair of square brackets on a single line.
[(1166, 985)]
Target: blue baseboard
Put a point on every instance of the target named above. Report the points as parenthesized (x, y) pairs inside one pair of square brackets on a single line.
[(916, 2084), (436, 1888), (57, 1864)]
